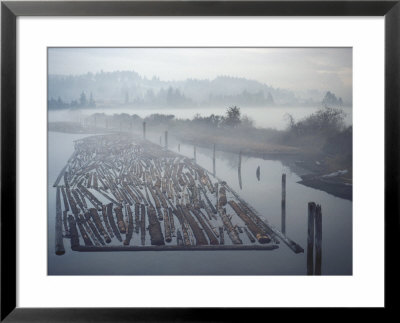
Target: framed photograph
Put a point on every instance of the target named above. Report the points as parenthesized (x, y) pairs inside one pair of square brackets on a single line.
[(181, 155)]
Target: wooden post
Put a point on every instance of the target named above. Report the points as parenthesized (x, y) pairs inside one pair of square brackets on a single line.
[(59, 238), (166, 139), (318, 240), (214, 160), (144, 130), (240, 169), (194, 152), (310, 239), (283, 204)]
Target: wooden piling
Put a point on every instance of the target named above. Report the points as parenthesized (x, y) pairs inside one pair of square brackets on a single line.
[(310, 238), (283, 205), (214, 160), (318, 240), (59, 238), (240, 169)]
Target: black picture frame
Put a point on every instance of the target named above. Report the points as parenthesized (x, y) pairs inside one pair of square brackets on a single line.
[(10, 10)]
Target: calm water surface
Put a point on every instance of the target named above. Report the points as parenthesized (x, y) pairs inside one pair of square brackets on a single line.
[(264, 195)]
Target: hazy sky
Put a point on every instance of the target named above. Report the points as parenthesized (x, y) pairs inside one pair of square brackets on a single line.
[(297, 69)]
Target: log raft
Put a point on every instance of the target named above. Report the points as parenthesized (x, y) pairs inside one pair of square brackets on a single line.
[(139, 187)]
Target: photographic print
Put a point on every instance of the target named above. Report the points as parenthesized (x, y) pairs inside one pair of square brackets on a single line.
[(199, 161)]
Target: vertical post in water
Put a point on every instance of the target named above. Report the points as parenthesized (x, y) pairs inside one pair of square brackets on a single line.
[(310, 239), (214, 160), (194, 153), (144, 130), (240, 169), (166, 139), (59, 238), (283, 204), (318, 240)]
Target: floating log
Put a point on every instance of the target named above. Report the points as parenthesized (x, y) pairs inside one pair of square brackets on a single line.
[(64, 195), (137, 221), (221, 236), (211, 237), (229, 227), (167, 227), (179, 240), (65, 221), (156, 235), (74, 233), (106, 222), (222, 197), (143, 224), (120, 219), (59, 237), (99, 225), (198, 233), (84, 234), (255, 230), (130, 227), (94, 229), (112, 222)]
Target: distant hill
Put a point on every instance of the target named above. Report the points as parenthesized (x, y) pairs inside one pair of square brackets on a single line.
[(129, 88)]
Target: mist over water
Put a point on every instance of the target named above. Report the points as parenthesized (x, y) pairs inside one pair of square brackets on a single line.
[(268, 117)]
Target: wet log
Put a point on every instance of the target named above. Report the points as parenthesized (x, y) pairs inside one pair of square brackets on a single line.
[(156, 235), (65, 200), (229, 227), (106, 222), (84, 234), (197, 232), (120, 219), (222, 197), (143, 224), (93, 228), (211, 237), (255, 230), (179, 240), (137, 221), (221, 236), (74, 232), (171, 221), (130, 227), (167, 227), (96, 218), (112, 222)]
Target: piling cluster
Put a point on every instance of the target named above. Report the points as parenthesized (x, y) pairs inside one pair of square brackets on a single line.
[(118, 191)]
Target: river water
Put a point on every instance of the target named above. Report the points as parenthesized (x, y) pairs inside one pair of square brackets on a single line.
[(263, 194)]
